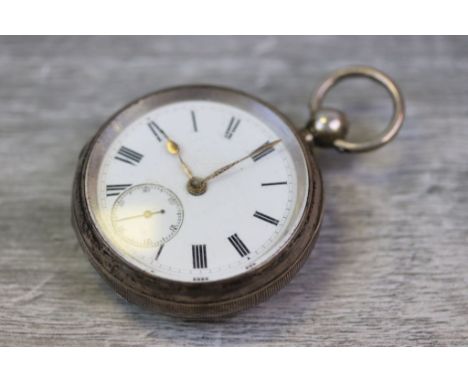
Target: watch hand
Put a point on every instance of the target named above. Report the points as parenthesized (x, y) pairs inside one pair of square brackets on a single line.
[(146, 214), (259, 150), (173, 148)]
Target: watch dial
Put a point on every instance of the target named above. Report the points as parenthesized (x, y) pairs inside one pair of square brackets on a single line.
[(137, 188)]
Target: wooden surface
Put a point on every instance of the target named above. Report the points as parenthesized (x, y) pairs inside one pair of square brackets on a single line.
[(391, 264)]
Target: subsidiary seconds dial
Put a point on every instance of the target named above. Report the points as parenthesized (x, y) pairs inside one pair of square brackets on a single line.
[(147, 215)]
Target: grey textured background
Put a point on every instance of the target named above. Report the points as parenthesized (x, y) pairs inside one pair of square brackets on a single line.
[(391, 264)]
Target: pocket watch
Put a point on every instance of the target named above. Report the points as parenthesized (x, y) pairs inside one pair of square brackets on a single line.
[(200, 201)]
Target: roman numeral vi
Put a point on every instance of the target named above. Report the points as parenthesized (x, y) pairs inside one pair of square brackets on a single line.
[(199, 256)]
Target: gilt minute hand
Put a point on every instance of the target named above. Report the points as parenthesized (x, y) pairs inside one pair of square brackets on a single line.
[(259, 150)]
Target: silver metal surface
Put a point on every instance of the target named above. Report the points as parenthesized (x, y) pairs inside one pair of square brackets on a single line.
[(328, 137), (328, 126)]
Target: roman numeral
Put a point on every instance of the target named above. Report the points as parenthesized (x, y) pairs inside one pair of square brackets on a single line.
[(159, 252), (128, 156), (194, 121), (262, 153), (239, 245), (273, 184), (116, 189), (199, 256), (232, 127), (155, 130), (266, 218)]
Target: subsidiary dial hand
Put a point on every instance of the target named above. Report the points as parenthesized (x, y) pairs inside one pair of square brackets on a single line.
[(257, 152), (173, 148), (146, 214)]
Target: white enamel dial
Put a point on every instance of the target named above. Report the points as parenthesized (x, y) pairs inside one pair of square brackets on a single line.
[(142, 206)]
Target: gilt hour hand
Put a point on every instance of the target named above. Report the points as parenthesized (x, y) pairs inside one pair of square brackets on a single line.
[(173, 148)]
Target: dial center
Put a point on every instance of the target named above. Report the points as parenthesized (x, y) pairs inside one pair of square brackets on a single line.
[(196, 186)]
